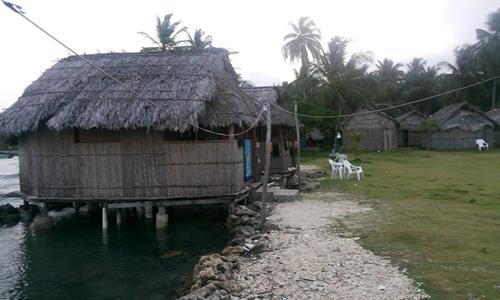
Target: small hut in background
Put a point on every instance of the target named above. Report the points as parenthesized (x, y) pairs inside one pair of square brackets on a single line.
[(409, 132), (459, 127), (378, 130), (495, 115), (84, 136), (283, 155)]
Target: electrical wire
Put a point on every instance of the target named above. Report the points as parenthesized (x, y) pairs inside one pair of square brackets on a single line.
[(390, 107), (22, 14)]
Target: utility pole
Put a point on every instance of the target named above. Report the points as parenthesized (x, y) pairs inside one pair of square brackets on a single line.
[(494, 94), (265, 179), (297, 131)]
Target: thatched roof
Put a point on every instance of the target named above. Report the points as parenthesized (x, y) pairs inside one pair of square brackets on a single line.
[(178, 89), (411, 120), (363, 116), (495, 115), (270, 93), (464, 116)]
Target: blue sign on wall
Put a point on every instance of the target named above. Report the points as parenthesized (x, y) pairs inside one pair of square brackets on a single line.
[(247, 159)]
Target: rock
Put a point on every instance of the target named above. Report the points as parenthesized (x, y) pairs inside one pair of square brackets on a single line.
[(381, 287), (292, 182), (307, 185), (237, 241), (256, 206), (172, 254), (243, 210), (200, 293), (43, 223), (232, 250), (9, 215), (244, 230)]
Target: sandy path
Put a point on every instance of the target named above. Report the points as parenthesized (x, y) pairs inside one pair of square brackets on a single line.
[(306, 260)]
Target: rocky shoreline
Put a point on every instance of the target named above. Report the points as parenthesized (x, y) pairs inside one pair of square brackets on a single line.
[(213, 276)]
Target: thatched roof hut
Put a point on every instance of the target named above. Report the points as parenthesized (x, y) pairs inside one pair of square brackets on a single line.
[(460, 125), (175, 90), (83, 135), (409, 131), (495, 115), (283, 134), (378, 130)]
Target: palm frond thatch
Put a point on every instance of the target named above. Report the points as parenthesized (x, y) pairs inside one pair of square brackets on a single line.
[(178, 89)]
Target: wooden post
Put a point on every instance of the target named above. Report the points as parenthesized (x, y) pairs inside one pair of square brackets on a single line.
[(494, 94), (104, 215), (148, 206), (267, 165), (297, 131), (161, 218), (118, 217)]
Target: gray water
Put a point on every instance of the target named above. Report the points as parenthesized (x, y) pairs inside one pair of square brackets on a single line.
[(77, 260)]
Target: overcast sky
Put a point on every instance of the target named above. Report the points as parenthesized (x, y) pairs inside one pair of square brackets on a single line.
[(396, 29)]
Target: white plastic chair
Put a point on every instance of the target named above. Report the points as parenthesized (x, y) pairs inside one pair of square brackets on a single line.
[(337, 168), (481, 144), (350, 169)]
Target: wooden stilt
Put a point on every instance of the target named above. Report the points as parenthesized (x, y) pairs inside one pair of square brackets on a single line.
[(118, 217), (104, 215), (148, 206), (161, 218)]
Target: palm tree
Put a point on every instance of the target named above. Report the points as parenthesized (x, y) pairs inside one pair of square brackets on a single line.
[(466, 70), (421, 81), (488, 48), (302, 42), (166, 32), (386, 81), (199, 41), (388, 70), (343, 77)]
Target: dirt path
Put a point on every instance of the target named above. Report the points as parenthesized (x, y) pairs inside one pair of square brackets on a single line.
[(306, 260)]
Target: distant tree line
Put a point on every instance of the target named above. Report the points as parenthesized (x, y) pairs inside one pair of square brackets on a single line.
[(331, 81)]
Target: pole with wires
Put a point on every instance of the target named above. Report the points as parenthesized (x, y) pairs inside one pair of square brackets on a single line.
[(267, 165), (297, 132)]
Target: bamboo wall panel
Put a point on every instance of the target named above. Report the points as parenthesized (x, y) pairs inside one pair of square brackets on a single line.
[(460, 139), (140, 165)]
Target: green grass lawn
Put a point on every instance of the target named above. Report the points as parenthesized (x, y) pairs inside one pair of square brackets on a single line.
[(437, 216)]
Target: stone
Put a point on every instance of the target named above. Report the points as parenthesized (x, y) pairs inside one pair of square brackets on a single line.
[(308, 185), (232, 250), (245, 231), (43, 223), (243, 210), (9, 215)]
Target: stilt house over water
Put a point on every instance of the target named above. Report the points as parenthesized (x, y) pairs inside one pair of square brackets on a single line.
[(495, 115), (409, 132), (283, 155), (84, 136), (378, 130), (460, 125)]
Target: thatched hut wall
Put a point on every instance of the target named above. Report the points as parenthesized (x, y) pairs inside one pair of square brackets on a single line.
[(459, 139), (283, 128), (378, 131), (133, 163), (409, 131), (460, 125), (495, 115)]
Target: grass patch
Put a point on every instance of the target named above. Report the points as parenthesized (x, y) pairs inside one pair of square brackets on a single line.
[(437, 216)]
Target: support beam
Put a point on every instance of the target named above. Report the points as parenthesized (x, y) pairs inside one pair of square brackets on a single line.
[(161, 218), (265, 179), (139, 209), (297, 133), (44, 209), (119, 217), (148, 205), (104, 215)]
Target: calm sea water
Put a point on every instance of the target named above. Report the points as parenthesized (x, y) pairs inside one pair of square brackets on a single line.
[(77, 260)]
